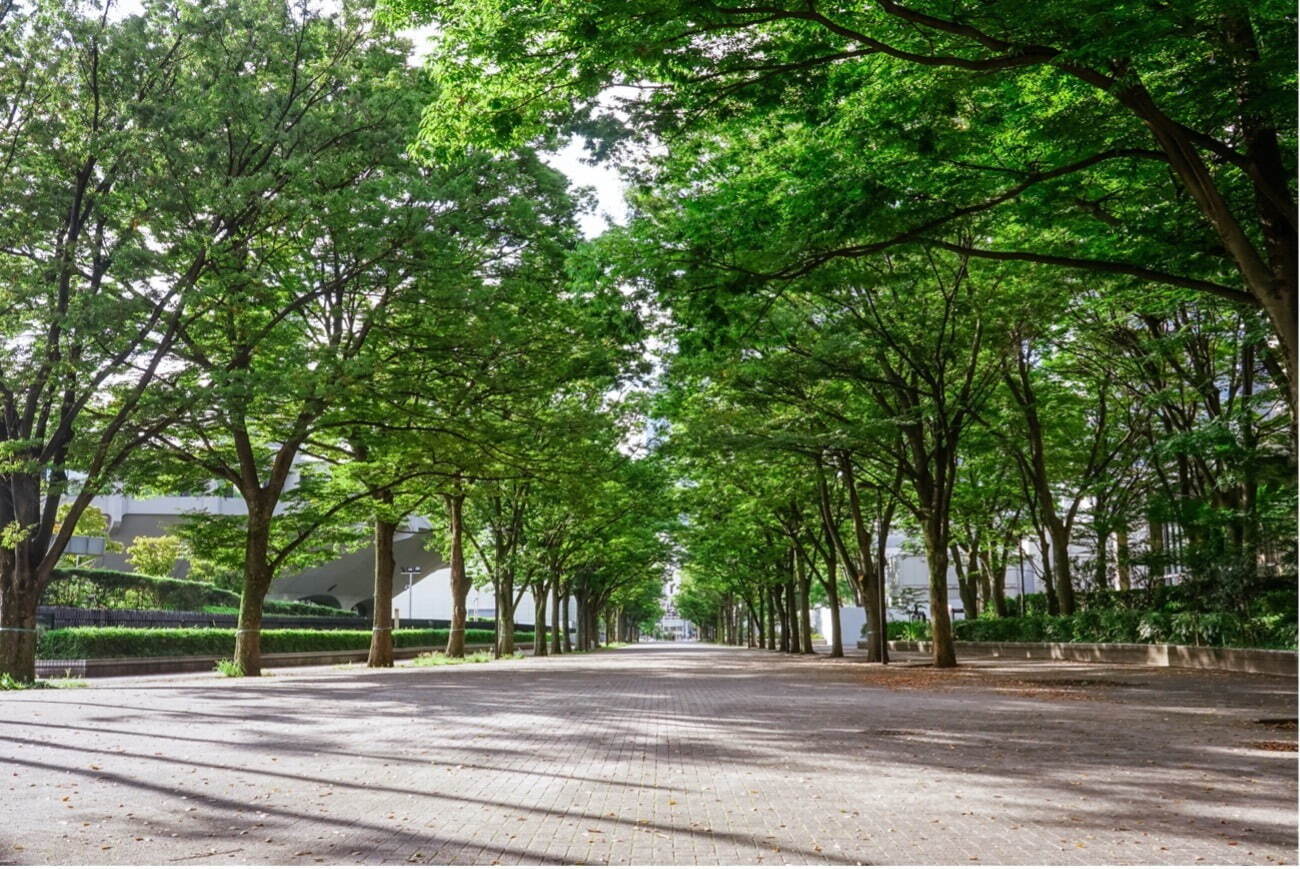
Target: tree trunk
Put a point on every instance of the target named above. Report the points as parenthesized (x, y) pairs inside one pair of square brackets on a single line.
[(580, 641), (1101, 561), (778, 602), (986, 591), (936, 556), (505, 639), (965, 583), (1123, 572), (557, 645), (17, 622), (1061, 565), (871, 578), (995, 569), (833, 593), (257, 581), (381, 632), (459, 579), (803, 585), (565, 637), (539, 620), (770, 597), (1156, 549), (792, 611), (1049, 582)]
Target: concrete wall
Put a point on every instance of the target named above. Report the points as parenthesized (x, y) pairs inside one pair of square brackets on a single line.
[(1275, 662)]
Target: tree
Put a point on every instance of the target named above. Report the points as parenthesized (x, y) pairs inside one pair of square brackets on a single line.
[(355, 229), (1091, 137), (113, 220), (155, 556)]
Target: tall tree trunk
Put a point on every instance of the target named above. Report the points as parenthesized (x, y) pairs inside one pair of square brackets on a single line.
[(872, 573), (459, 579), (1156, 548), (18, 602), (979, 568), (1061, 568), (792, 615), (580, 641), (770, 602), (539, 619), (936, 556), (778, 601), (833, 593), (257, 581), (557, 644), (381, 632), (1049, 581), (965, 583), (566, 638), (505, 639), (1123, 571), (995, 572), (803, 586)]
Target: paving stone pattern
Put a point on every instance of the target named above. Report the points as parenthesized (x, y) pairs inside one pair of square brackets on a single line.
[(655, 754)]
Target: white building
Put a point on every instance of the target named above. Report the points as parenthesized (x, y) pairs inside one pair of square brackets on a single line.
[(907, 590), (421, 585)]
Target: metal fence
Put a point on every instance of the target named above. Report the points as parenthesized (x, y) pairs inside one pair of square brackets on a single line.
[(51, 617)]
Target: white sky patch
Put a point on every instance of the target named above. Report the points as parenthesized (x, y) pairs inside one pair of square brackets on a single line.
[(602, 179)]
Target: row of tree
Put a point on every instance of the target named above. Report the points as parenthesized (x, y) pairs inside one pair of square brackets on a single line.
[(223, 262), (979, 272)]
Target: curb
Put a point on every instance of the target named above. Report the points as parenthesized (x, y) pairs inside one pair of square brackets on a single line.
[(1270, 662), (90, 668)]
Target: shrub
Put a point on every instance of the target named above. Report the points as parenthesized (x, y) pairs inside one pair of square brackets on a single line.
[(1129, 626), (227, 667), (911, 631), (150, 642), (155, 556), (116, 589)]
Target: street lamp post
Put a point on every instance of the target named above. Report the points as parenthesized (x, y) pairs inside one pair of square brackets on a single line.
[(410, 573)]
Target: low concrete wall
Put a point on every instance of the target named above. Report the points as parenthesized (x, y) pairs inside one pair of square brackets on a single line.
[(101, 667), (1273, 662)]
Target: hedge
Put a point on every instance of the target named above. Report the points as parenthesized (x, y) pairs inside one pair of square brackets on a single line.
[(77, 643), (1132, 626), (117, 589)]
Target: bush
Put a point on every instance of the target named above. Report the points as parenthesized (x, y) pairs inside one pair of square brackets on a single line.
[(1130, 626), (117, 589), (911, 631), (79, 643)]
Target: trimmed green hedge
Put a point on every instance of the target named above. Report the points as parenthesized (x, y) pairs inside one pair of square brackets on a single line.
[(160, 642), (116, 589), (1276, 631)]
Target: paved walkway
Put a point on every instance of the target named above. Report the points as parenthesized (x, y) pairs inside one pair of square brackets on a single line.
[(654, 754)]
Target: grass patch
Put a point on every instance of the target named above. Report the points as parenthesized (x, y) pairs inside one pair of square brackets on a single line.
[(438, 659), (230, 668)]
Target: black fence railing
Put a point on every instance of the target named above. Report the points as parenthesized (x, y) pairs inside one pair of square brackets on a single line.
[(52, 617)]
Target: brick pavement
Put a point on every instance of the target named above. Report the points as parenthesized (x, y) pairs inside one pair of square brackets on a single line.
[(661, 754)]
